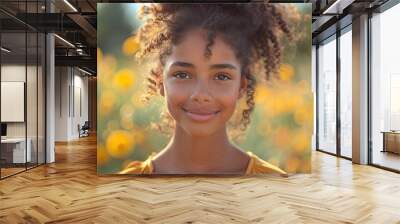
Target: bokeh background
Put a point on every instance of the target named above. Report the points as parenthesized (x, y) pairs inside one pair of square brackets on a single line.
[(282, 122)]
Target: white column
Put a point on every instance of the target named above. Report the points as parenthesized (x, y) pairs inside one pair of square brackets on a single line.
[(50, 93), (50, 109), (360, 90)]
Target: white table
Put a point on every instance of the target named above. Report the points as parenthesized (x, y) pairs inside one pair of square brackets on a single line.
[(19, 155)]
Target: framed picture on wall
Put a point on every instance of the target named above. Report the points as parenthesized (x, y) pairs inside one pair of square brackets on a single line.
[(12, 101), (213, 89)]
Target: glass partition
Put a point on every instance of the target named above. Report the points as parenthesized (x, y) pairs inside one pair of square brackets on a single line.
[(385, 89), (22, 88), (327, 95), (13, 103), (31, 99), (346, 93), (41, 87)]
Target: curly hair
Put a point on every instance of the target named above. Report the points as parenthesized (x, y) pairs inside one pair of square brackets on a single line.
[(252, 30)]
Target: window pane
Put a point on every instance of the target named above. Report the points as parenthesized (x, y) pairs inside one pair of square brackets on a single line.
[(346, 94), (327, 96), (386, 89), (31, 97)]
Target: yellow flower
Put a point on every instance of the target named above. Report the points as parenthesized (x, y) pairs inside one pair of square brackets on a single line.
[(286, 72), (130, 46), (304, 115), (262, 94), (292, 101), (124, 79), (301, 141), (102, 156), (120, 144)]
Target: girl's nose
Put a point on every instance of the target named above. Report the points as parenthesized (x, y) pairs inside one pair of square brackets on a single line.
[(201, 92)]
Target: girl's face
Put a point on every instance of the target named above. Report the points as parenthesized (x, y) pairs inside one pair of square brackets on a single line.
[(201, 92)]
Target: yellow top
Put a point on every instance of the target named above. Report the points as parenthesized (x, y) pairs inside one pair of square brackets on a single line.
[(255, 166)]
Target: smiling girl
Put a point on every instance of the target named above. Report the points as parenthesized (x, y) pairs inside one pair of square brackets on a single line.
[(209, 56)]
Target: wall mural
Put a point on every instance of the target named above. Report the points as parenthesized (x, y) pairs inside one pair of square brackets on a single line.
[(204, 89)]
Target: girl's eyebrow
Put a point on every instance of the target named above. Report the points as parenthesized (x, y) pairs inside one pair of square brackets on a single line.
[(223, 66), (214, 66), (182, 64)]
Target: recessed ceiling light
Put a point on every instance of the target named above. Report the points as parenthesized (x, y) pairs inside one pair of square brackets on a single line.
[(84, 71), (70, 5), (5, 50), (64, 40), (338, 6)]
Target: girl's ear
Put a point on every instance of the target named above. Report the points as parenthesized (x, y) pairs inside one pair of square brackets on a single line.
[(243, 86)]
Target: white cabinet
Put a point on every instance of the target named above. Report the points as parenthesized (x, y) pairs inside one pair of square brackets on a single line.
[(18, 149)]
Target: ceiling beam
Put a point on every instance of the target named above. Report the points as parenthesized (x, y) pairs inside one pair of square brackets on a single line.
[(337, 6), (85, 25), (84, 61)]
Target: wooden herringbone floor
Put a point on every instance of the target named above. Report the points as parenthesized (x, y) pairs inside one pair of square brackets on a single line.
[(70, 191)]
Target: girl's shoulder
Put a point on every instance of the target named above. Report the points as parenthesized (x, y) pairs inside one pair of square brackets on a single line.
[(256, 166), (140, 167), (259, 166)]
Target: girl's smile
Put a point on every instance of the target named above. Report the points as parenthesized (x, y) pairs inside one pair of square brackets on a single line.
[(201, 114)]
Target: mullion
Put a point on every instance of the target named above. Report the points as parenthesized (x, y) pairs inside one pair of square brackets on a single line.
[(26, 86), (37, 90), (338, 98)]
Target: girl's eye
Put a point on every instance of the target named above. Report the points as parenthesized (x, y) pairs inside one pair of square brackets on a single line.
[(222, 77), (182, 75)]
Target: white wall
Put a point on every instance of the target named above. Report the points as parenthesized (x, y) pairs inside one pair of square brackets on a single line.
[(81, 100), (62, 81), (71, 87)]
